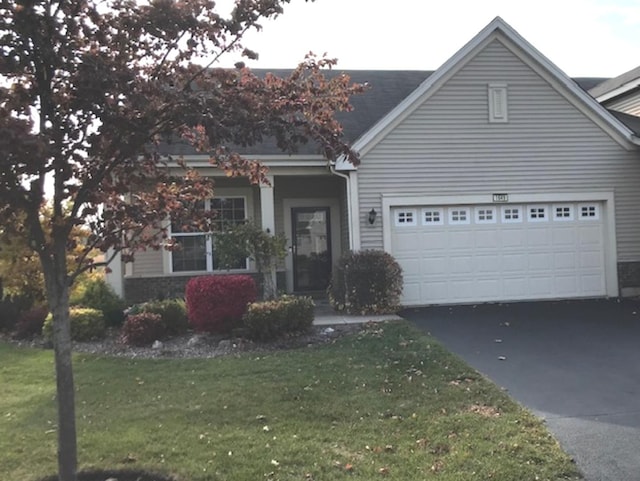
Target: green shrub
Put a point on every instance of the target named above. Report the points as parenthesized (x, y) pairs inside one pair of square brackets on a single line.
[(270, 319), (87, 324), (173, 313), (366, 282), (99, 295), (142, 329)]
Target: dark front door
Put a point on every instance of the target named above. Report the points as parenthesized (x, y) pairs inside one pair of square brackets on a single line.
[(311, 248)]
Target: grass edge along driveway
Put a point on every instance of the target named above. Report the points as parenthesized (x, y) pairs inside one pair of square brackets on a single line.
[(387, 403)]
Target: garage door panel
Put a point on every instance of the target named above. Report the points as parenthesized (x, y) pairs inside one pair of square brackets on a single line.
[(461, 264), (514, 263), (540, 261), (539, 237), (565, 236), (512, 236), (552, 256), (565, 260), (541, 286), (565, 285), (434, 266), (460, 239)]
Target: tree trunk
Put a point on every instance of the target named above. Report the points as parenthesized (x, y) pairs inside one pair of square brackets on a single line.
[(58, 296)]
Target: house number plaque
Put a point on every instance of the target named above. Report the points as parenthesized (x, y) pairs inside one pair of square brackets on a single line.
[(501, 197)]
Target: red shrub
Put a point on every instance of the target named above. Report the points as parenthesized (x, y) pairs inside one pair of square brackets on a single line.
[(31, 322), (217, 303), (142, 329)]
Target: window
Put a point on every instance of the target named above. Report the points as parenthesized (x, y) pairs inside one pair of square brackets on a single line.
[(589, 212), (432, 217), (196, 248), (405, 217), (512, 214), (498, 103), (538, 213), (458, 215), (485, 215), (562, 212)]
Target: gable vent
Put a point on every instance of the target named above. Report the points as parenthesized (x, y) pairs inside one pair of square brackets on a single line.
[(498, 102)]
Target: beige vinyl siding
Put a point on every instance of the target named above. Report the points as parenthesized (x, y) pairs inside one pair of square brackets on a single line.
[(629, 104), (448, 147), (148, 263)]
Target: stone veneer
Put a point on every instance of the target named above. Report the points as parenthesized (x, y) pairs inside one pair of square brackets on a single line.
[(141, 289)]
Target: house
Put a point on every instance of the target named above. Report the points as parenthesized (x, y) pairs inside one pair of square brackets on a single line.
[(494, 178)]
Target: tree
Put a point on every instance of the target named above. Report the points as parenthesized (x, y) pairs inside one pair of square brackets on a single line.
[(90, 87), (247, 240)]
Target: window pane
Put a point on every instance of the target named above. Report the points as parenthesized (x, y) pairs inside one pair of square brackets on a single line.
[(193, 254)]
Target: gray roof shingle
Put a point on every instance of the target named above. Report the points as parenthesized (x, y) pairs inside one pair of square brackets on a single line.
[(387, 88)]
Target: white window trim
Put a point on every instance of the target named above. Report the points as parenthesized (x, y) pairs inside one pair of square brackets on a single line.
[(538, 219), (437, 210), (414, 217), (521, 213), (467, 212), (571, 208), (586, 217), (222, 192), (494, 214)]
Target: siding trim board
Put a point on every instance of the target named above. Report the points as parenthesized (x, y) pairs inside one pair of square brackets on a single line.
[(519, 199)]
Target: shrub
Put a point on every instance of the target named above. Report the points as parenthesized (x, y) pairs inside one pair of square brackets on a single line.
[(366, 282), (217, 303), (99, 295), (31, 322), (270, 319), (173, 313), (11, 308), (86, 324), (142, 329)]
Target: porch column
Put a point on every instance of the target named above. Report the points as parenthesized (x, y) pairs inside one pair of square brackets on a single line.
[(267, 206), (267, 212), (114, 273)]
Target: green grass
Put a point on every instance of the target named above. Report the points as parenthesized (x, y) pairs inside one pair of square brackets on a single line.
[(388, 403)]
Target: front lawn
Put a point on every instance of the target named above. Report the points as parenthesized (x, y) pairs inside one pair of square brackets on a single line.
[(388, 403)]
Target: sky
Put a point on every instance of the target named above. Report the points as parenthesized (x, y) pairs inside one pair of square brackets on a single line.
[(585, 38)]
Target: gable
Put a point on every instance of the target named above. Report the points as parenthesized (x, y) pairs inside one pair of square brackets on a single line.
[(498, 31)]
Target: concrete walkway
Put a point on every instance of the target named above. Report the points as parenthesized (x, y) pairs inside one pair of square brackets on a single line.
[(326, 316)]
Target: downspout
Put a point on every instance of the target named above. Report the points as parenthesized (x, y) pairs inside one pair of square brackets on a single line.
[(347, 180)]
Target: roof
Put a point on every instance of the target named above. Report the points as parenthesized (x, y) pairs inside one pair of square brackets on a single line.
[(616, 86), (631, 121), (386, 89), (393, 94)]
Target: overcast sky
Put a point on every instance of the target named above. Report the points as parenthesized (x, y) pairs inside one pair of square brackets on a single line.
[(585, 38)]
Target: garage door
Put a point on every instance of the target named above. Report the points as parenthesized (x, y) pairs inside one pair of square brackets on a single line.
[(484, 253)]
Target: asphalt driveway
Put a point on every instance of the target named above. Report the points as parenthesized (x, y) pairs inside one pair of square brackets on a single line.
[(576, 364)]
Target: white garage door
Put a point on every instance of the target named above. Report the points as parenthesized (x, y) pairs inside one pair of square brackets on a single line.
[(484, 253)]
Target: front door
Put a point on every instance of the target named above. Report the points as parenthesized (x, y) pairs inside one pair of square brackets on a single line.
[(311, 248)]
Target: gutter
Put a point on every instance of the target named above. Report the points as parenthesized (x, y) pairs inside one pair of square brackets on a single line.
[(332, 169)]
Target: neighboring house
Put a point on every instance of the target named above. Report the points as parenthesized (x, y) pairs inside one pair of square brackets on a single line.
[(494, 178), (621, 93)]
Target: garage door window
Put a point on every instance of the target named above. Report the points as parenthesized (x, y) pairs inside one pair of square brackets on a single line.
[(406, 217), (458, 216), (589, 212), (511, 215), (562, 212), (432, 217), (485, 215), (538, 214)]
